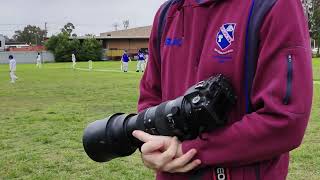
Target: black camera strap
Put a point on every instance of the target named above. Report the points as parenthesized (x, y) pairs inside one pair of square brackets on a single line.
[(258, 11)]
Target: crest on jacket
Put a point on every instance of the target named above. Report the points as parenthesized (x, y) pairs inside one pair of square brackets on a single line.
[(225, 36)]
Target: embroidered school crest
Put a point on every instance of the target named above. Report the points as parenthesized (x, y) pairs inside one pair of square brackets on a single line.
[(225, 36)]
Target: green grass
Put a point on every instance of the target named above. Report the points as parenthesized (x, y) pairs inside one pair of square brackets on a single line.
[(316, 69), (43, 115), (305, 161)]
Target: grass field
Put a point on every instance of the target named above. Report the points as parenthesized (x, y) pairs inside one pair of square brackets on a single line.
[(316, 69), (43, 115)]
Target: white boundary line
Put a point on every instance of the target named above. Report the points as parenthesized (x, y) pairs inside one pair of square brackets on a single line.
[(105, 70)]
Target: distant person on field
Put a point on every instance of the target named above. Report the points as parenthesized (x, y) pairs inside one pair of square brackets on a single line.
[(13, 67), (74, 61), (39, 63), (125, 61), (141, 61), (146, 60)]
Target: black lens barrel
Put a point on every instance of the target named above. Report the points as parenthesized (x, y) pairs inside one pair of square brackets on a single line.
[(106, 139), (203, 107)]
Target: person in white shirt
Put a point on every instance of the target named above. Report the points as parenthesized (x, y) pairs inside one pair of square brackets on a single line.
[(74, 61), (13, 67), (141, 61), (125, 61), (146, 60), (39, 63)]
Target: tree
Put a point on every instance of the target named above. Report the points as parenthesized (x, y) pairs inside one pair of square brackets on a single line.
[(316, 27), (308, 10), (62, 47), (30, 34), (311, 10), (8, 39), (91, 49), (68, 29)]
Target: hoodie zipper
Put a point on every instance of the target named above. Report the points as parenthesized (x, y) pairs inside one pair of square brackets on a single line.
[(287, 97)]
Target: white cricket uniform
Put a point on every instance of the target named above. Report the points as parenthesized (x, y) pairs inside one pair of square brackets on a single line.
[(146, 61), (147, 58), (141, 62), (13, 67), (125, 62), (39, 64), (74, 61), (140, 65), (125, 66)]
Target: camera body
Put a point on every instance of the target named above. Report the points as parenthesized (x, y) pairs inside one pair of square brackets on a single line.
[(203, 108)]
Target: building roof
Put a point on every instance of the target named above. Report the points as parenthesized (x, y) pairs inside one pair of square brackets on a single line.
[(133, 32), (16, 43), (112, 37)]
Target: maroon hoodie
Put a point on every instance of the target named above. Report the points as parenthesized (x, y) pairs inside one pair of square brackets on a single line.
[(203, 38)]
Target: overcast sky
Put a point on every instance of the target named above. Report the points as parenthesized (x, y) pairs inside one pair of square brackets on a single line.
[(89, 16)]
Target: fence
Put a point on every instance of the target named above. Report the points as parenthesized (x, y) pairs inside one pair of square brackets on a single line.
[(26, 57)]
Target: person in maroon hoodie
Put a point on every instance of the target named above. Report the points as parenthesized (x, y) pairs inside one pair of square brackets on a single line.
[(202, 38)]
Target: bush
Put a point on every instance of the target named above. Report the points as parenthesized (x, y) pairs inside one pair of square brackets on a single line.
[(62, 48), (90, 49)]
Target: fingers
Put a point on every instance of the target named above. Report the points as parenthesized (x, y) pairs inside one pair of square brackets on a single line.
[(181, 161), (153, 158), (170, 153), (188, 167), (142, 136), (151, 146)]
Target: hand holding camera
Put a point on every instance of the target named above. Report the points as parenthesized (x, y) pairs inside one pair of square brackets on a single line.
[(203, 108)]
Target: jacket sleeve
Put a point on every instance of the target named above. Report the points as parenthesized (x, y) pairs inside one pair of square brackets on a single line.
[(281, 96), (150, 84)]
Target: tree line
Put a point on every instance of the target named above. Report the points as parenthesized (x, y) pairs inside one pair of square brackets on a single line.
[(66, 43), (61, 45), (312, 11)]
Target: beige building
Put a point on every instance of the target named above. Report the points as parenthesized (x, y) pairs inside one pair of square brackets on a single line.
[(132, 40)]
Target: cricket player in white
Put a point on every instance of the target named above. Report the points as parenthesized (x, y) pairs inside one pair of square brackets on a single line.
[(39, 63), (146, 60), (125, 61), (74, 61), (13, 67), (141, 61)]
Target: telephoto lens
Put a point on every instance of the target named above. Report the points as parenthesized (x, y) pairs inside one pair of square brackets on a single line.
[(203, 108)]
